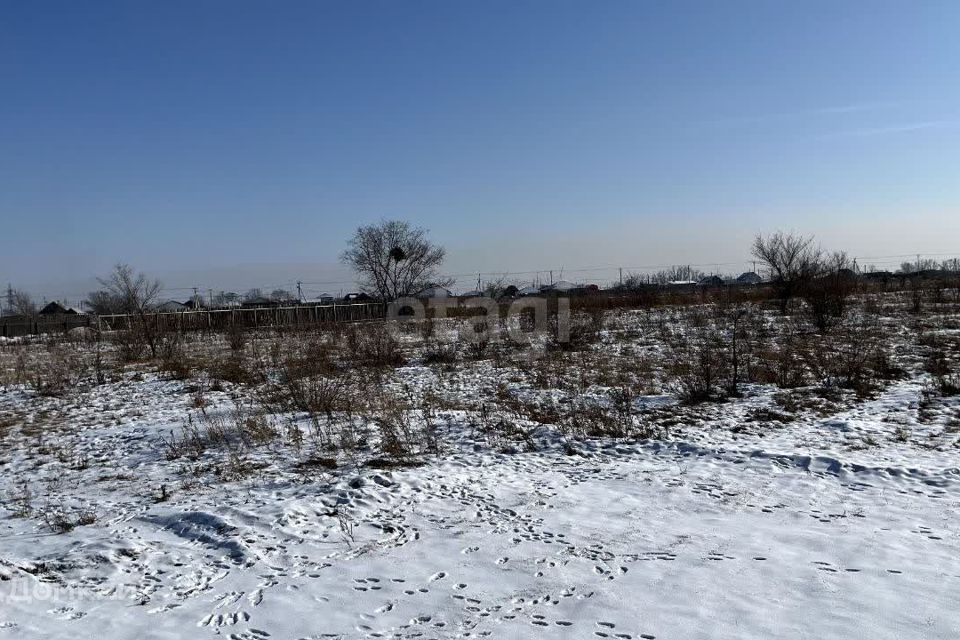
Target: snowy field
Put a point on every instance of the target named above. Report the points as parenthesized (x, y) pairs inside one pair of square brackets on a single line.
[(800, 511)]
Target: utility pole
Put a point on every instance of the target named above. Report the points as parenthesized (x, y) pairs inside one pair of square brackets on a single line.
[(551, 277), (621, 276), (196, 298), (478, 282), (299, 291)]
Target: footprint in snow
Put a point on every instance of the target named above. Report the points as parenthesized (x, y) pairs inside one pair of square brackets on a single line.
[(252, 634)]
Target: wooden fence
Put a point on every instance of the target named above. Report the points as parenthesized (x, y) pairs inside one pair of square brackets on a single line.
[(18, 326), (202, 319), (224, 319)]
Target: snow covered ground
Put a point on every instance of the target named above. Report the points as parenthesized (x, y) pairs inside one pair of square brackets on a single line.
[(826, 526)]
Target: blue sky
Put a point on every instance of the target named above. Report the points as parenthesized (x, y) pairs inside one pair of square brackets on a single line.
[(233, 144)]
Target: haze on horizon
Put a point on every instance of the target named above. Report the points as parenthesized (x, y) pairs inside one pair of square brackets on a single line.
[(239, 144)]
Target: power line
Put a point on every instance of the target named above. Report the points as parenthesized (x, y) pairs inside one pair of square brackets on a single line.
[(613, 271)]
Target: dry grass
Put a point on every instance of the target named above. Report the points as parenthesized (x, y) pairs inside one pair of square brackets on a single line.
[(316, 400)]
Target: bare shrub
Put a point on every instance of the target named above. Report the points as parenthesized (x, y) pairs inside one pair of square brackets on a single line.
[(948, 385), (593, 421), (236, 338), (100, 364), (699, 371), (478, 347), (129, 344), (231, 368), (20, 500), (234, 432), (373, 345), (780, 357), (827, 293), (852, 357), (792, 261), (60, 520), (58, 370), (403, 431), (437, 352), (585, 328), (915, 295), (174, 361), (315, 395), (698, 362), (937, 364)]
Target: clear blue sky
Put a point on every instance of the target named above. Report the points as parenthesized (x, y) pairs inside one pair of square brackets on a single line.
[(189, 138)]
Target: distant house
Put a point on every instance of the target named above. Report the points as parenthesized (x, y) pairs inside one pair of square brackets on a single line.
[(847, 274), (323, 298), (711, 281), (357, 296), (560, 286), (171, 306), (257, 302), (476, 293), (749, 277), (529, 291), (57, 309), (434, 292), (878, 275)]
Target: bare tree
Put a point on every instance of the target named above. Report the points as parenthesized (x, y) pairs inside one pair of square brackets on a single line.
[(678, 273), (281, 295), (394, 259), (253, 294), (19, 303), (125, 291), (133, 292), (922, 264), (496, 287), (226, 298), (101, 303), (792, 260)]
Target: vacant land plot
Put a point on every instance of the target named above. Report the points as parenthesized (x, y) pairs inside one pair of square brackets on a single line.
[(708, 471)]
